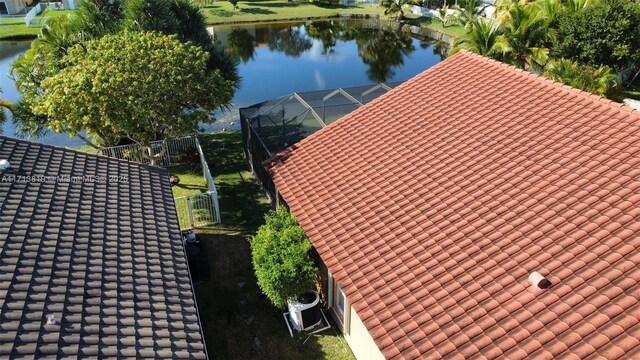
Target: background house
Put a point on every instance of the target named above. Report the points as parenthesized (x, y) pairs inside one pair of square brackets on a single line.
[(12, 7), (91, 259), (437, 208)]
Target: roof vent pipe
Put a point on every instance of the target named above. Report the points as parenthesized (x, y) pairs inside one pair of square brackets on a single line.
[(51, 319), (4, 164), (539, 281)]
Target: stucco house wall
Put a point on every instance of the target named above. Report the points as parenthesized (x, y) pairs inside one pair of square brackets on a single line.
[(15, 6), (359, 340)]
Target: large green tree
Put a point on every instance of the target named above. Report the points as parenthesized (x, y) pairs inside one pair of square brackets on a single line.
[(95, 19), (281, 258), (139, 86), (606, 32)]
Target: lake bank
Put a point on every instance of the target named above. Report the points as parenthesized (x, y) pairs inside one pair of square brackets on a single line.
[(222, 13)]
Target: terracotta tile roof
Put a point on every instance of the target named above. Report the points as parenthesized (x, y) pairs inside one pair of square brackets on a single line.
[(432, 204), (104, 256)]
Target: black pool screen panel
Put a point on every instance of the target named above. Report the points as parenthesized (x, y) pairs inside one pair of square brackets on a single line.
[(271, 126)]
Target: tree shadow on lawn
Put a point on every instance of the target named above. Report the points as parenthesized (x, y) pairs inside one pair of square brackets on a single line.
[(220, 12), (256, 11), (336, 6), (191, 187), (279, 4), (242, 203)]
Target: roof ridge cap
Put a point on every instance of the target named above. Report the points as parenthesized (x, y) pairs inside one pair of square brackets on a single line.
[(64, 148), (614, 105)]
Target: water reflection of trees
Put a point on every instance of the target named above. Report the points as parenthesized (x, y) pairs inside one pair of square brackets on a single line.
[(290, 40), (241, 44), (382, 49), (327, 33)]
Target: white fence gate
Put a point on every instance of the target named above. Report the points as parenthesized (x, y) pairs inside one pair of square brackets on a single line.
[(197, 210), (193, 210)]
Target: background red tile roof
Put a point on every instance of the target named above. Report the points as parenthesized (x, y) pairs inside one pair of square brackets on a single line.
[(432, 204)]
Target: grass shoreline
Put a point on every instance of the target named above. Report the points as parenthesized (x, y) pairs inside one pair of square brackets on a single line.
[(252, 12)]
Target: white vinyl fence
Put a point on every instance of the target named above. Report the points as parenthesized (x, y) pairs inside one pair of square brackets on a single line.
[(32, 18), (164, 153), (200, 209), (35, 11), (195, 210)]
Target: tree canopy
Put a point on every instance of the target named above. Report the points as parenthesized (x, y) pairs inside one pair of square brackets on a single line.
[(139, 86), (281, 258), (582, 43), (606, 32), (97, 18)]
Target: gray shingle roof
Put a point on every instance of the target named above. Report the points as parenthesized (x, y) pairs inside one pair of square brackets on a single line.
[(103, 255)]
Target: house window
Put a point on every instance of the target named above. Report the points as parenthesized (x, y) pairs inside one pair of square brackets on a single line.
[(339, 300), (338, 304), (3, 8)]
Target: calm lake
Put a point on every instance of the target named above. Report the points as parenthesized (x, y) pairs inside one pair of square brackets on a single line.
[(280, 58)]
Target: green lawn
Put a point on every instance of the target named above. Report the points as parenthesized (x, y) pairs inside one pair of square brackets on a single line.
[(436, 24), (238, 321), (11, 20), (87, 149), (220, 12), (51, 13), (191, 180), (18, 31)]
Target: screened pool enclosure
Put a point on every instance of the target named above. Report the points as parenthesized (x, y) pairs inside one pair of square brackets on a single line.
[(271, 126)]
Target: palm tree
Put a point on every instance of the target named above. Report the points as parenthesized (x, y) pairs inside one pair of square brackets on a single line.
[(525, 35), (483, 38), (575, 5), (392, 7), (469, 11), (502, 9), (3, 103), (549, 9), (442, 15)]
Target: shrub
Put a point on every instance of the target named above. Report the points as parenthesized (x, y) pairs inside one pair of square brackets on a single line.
[(280, 251), (604, 33), (600, 81)]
